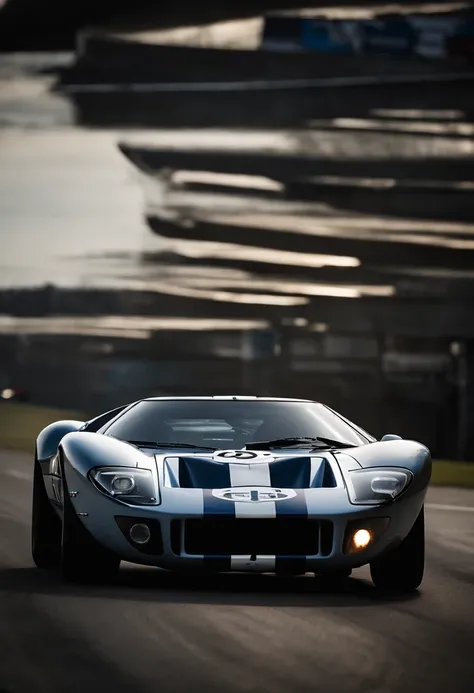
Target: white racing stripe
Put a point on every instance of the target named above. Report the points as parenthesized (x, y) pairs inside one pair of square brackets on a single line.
[(256, 474), (261, 509), (262, 564), (454, 508)]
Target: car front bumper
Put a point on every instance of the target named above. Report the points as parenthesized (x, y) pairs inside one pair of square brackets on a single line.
[(186, 537)]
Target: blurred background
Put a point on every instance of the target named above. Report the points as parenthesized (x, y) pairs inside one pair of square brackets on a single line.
[(242, 197)]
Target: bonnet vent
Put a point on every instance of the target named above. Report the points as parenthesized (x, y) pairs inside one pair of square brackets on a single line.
[(285, 472)]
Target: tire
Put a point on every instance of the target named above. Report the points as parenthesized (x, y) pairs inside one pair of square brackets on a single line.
[(402, 568), (83, 559), (45, 525)]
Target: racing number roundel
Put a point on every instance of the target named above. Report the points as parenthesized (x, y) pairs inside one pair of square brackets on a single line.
[(238, 455)]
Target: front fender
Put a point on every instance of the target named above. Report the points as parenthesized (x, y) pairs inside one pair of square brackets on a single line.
[(399, 453), (49, 438), (84, 451)]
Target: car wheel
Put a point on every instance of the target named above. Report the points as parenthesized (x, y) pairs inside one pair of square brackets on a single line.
[(45, 525), (83, 559), (402, 568)]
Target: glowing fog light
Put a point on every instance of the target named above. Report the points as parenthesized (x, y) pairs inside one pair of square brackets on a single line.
[(361, 539), (140, 533), (361, 534)]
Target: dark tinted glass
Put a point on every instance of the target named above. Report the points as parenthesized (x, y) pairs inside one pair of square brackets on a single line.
[(230, 423)]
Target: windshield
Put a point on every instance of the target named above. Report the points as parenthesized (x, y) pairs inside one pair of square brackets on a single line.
[(231, 423)]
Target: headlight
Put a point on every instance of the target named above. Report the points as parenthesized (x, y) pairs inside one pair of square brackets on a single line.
[(377, 485), (130, 485)]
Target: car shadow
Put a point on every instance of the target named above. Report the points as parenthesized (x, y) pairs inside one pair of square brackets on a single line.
[(155, 585)]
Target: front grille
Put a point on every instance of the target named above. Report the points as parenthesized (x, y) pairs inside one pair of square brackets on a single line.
[(229, 536)]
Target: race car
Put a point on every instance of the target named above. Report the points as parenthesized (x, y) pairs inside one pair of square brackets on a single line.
[(229, 483)]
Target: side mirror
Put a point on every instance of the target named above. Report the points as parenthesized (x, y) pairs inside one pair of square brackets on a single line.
[(390, 436)]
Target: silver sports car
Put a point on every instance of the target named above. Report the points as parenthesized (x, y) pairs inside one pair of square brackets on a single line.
[(217, 484)]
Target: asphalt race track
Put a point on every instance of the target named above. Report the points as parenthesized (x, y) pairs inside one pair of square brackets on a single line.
[(153, 631)]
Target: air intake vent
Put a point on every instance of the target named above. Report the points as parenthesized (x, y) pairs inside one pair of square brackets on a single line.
[(282, 536), (285, 472)]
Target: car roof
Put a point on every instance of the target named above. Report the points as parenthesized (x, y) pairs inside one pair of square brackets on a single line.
[(240, 398)]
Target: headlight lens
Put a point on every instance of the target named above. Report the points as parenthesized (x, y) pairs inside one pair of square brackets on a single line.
[(377, 485), (130, 485)]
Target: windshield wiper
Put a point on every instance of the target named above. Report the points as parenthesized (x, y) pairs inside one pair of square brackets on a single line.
[(300, 441), (159, 444), (336, 443)]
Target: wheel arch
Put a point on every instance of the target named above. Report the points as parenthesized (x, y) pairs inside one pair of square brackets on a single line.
[(48, 439)]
